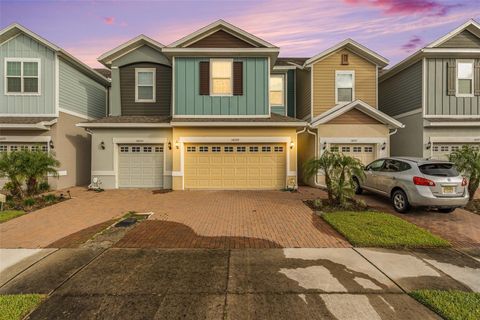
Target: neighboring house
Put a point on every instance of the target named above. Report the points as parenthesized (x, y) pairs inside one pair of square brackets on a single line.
[(436, 93), (209, 111), (45, 92), (337, 93)]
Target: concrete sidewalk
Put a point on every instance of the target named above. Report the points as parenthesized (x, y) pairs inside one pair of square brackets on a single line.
[(323, 283)]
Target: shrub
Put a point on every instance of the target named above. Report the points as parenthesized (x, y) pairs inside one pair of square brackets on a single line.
[(43, 187), (28, 202), (467, 161), (50, 198)]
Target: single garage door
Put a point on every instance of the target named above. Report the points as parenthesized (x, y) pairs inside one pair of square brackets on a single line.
[(441, 151), (363, 152), (235, 166), (140, 166)]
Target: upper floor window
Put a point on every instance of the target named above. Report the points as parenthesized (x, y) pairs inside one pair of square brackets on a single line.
[(22, 76), (464, 78), (344, 86), (277, 93), (221, 77), (145, 85)]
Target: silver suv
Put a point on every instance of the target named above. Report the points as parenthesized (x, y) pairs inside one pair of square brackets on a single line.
[(415, 182)]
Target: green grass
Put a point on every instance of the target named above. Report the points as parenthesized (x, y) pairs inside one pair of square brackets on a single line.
[(451, 305), (10, 214), (17, 306), (377, 229)]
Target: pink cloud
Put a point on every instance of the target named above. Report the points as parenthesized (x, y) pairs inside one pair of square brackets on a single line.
[(412, 44), (405, 7), (109, 20)]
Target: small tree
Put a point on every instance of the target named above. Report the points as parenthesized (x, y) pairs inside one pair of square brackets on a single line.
[(338, 170), (467, 161), (38, 165), (12, 168)]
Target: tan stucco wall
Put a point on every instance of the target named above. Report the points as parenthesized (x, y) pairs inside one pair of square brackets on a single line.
[(324, 80), (103, 161), (235, 135)]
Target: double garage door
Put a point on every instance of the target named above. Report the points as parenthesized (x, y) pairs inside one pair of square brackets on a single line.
[(235, 166), (140, 166), (366, 153)]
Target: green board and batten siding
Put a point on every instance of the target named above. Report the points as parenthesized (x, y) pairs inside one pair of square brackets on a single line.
[(79, 93), (438, 102), (254, 100), (23, 46)]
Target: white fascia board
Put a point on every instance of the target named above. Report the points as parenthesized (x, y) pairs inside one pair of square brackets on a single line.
[(454, 32), (238, 124), (284, 68), (155, 44), (31, 34), (36, 126), (240, 51), (453, 124), (451, 50), (123, 125)]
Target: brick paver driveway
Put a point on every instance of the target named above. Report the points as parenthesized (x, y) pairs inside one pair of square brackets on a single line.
[(182, 219)]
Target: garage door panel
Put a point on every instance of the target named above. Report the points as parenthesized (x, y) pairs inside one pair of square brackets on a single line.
[(366, 153), (441, 151), (140, 166), (235, 166)]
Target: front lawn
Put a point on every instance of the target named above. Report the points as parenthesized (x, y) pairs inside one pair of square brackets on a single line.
[(17, 306), (451, 305), (377, 229), (10, 214)]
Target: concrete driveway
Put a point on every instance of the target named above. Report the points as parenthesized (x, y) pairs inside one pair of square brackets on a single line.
[(181, 219), (323, 283)]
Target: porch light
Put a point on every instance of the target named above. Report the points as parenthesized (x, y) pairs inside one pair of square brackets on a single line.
[(429, 145), (169, 145), (292, 144), (50, 144), (384, 145), (102, 145), (324, 146)]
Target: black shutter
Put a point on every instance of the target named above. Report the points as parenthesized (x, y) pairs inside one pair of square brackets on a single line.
[(204, 81), (238, 78), (476, 78), (451, 77)]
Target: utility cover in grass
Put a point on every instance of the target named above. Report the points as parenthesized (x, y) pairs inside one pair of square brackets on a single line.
[(451, 305), (17, 306), (378, 229)]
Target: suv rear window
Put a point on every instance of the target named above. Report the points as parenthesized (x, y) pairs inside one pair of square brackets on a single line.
[(439, 169)]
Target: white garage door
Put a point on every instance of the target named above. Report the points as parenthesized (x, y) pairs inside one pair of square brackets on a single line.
[(140, 166), (363, 152), (440, 151), (235, 166)]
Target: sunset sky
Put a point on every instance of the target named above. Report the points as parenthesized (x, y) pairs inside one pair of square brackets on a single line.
[(393, 28)]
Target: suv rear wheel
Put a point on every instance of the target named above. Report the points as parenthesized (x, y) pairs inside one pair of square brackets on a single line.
[(400, 201)]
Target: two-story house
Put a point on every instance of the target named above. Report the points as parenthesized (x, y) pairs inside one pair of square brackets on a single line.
[(45, 92), (337, 94), (205, 112), (435, 92)]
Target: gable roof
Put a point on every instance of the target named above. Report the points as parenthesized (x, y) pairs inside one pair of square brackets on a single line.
[(354, 47), (433, 49), (216, 26), (15, 29), (361, 106), (290, 62), (124, 48)]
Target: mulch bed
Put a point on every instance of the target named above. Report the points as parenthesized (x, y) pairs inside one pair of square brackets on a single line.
[(324, 205), (474, 206)]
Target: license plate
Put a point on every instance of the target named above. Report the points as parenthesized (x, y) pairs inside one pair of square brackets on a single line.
[(448, 189)]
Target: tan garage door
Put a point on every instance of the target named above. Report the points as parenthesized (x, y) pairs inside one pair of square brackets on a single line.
[(140, 166), (363, 152), (235, 166), (440, 151)]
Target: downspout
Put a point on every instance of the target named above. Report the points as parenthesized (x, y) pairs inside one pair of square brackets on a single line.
[(392, 132)]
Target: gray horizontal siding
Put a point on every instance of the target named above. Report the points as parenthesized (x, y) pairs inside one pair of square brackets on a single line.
[(23, 46), (402, 92), (464, 39), (163, 91), (79, 93), (438, 102)]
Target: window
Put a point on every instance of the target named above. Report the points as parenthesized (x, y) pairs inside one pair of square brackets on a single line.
[(35, 148), (368, 149), (3, 148), (334, 149), (44, 148), (395, 166), (277, 87), (266, 149), (147, 149), (344, 84), (241, 149), (221, 72), (203, 149), (455, 148), (159, 149), (464, 78), (357, 149), (435, 148), (123, 149), (345, 149), (13, 148), (444, 148), (24, 148), (375, 165), (191, 149), (216, 149), (135, 149), (253, 149), (145, 85), (22, 76), (228, 149), (439, 169), (278, 149)]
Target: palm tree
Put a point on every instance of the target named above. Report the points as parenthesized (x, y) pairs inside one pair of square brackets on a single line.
[(325, 163), (11, 167), (467, 161), (37, 166)]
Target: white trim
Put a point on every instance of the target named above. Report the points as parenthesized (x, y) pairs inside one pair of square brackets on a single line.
[(22, 77), (424, 86), (443, 116), (268, 87), (217, 116), (103, 173), (9, 39), (148, 40), (76, 114), (472, 63), (212, 31), (408, 113), (62, 173), (45, 139), (177, 174), (376, 87), (202, 51), (57, 84), (282, 68), (453, 124), (211, 61), (454, 139), (371, 56), (238, 124), (350, 72), (123, 125), (222, 25), (453, 33), (311, 92), (173, 86), (153, 71), (450, 50), (377, 141), (283, 76)]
